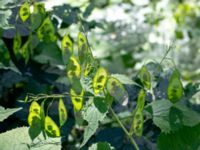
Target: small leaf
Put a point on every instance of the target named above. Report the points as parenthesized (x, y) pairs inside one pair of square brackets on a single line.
[(67, 48), (17, 43), (77, 99), (117, 90), (46, 31), (145, 77), (137, 126), (141, 100), (24, 12), (83, 49), (99, 80), (51, 128), (73, 69), (38, 15), (35, 107), (175, 87), (62, 112), (101, 146)]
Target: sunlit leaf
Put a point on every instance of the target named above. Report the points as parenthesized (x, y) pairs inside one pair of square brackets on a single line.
[(46, 31), (17, 43), (83, 48), (145, 77), (175, 87), (99, 80), (73, 69), (24, 12), (51, 128), (62, 112), (35, 107), (77, 99), (5, 113), (117, 90), (67, 48)]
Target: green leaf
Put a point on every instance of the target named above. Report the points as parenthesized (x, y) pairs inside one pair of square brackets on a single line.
[(99, 80), (62, 112), (117, 90), (51, 128), (137, 126), (169, 117), (46, 31), (24, 12), (19, 139), (37, 16), (5, 113), (145, 77), (101, 146), (141, 100), (124, 79), (93, 114), (175, 87), (187, 138), (4, 17), (17, 43)]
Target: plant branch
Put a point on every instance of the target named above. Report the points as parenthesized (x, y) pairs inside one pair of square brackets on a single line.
[(125, 130)]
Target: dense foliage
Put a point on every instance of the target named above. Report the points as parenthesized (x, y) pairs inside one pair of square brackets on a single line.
[(73, 81)]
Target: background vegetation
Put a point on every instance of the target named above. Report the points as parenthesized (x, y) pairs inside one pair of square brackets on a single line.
[(123, 35)]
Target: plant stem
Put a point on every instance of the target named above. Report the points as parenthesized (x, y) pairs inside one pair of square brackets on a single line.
[(125, 130)]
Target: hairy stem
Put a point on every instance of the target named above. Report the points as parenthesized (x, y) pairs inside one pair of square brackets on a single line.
[(125, 130)]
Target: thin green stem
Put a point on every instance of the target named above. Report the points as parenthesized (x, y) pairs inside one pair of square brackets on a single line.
[(125, 130)]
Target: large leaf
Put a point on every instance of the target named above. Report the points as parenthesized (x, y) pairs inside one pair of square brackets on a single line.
[(5, 113), (187, 138), (101, 146), (169, 117), (19, 139), (94, 112), (4, 16)]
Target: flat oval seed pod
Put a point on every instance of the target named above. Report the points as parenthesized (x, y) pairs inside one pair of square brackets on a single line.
[(67, 44), (35, 107), (175, 87), (51, 128), (145, 77), (33, 118), (77, 99), (99, 80), (83, 50), (117, 90), (141, 100), (73, 69), (62, 112), (24, 12), (137, 125)]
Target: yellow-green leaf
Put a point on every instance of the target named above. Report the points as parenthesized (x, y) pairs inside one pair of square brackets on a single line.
[(67, 44), (24, 12), (35, 107), (62, 112), (34, 118), (141, 100), (117, 90), (17, 43), (137, 126), (51, 128), (83, 50), (46, 31), (77, 99), (145, 77), (175, 87), (73, 69), (99, 80)]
